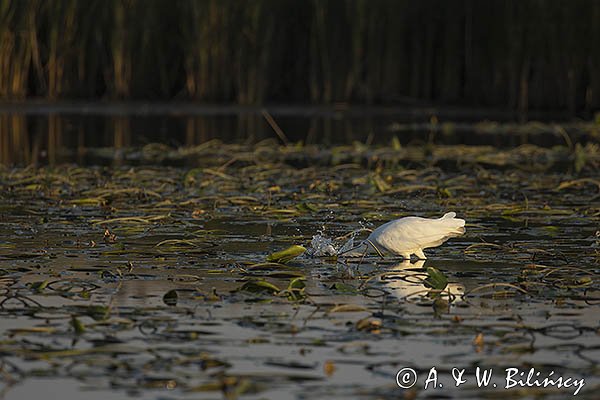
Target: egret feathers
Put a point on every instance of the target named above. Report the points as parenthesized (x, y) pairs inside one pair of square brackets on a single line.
[(411, 235)]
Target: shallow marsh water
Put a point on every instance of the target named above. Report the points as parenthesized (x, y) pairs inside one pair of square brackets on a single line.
[(124, 281)]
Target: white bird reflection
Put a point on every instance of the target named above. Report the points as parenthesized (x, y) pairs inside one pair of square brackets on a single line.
[(406, 281)]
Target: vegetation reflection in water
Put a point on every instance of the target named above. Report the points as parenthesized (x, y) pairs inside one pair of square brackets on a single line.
[(139, 280)]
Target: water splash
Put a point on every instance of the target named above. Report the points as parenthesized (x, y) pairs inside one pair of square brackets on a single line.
[(321, 246), (349, 245)]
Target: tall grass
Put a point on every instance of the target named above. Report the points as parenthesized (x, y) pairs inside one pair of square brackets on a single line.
[(519, 55)]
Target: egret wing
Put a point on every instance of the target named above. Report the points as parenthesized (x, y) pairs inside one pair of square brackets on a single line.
[(417, 231)]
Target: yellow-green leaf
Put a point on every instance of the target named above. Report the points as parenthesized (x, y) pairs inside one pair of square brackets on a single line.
[(286, 255), (259, 286)]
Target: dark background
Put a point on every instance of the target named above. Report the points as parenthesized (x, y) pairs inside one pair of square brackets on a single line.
[(510, 55)]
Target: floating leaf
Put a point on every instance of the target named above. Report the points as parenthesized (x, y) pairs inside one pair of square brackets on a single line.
[(578, 182), (574, 283), (584, 281), (297, 283), (286, 255), (369, 324), (170, 298), (27, 331), (348, 308), (39, 286), (295, 289), (259, 286), (343, 288), (435, 279)]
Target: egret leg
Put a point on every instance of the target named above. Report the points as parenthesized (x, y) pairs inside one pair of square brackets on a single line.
[(363, 256), (420, 255)]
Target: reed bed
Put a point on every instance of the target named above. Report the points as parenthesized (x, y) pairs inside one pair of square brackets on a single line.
[(518, 55)]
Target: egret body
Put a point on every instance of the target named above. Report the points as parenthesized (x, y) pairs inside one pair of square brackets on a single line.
[(410, 235)]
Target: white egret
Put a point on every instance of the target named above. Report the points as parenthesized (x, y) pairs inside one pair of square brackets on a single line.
[(410, 235)]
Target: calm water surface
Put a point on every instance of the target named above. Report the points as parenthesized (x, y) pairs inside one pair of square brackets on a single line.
[(132, 281)]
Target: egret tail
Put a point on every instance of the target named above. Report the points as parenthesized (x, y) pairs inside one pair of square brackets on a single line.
[(453, 226)]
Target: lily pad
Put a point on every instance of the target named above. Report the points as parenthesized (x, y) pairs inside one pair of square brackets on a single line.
[(436, 279), (286, 255), (170, 298), (259, 286)]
